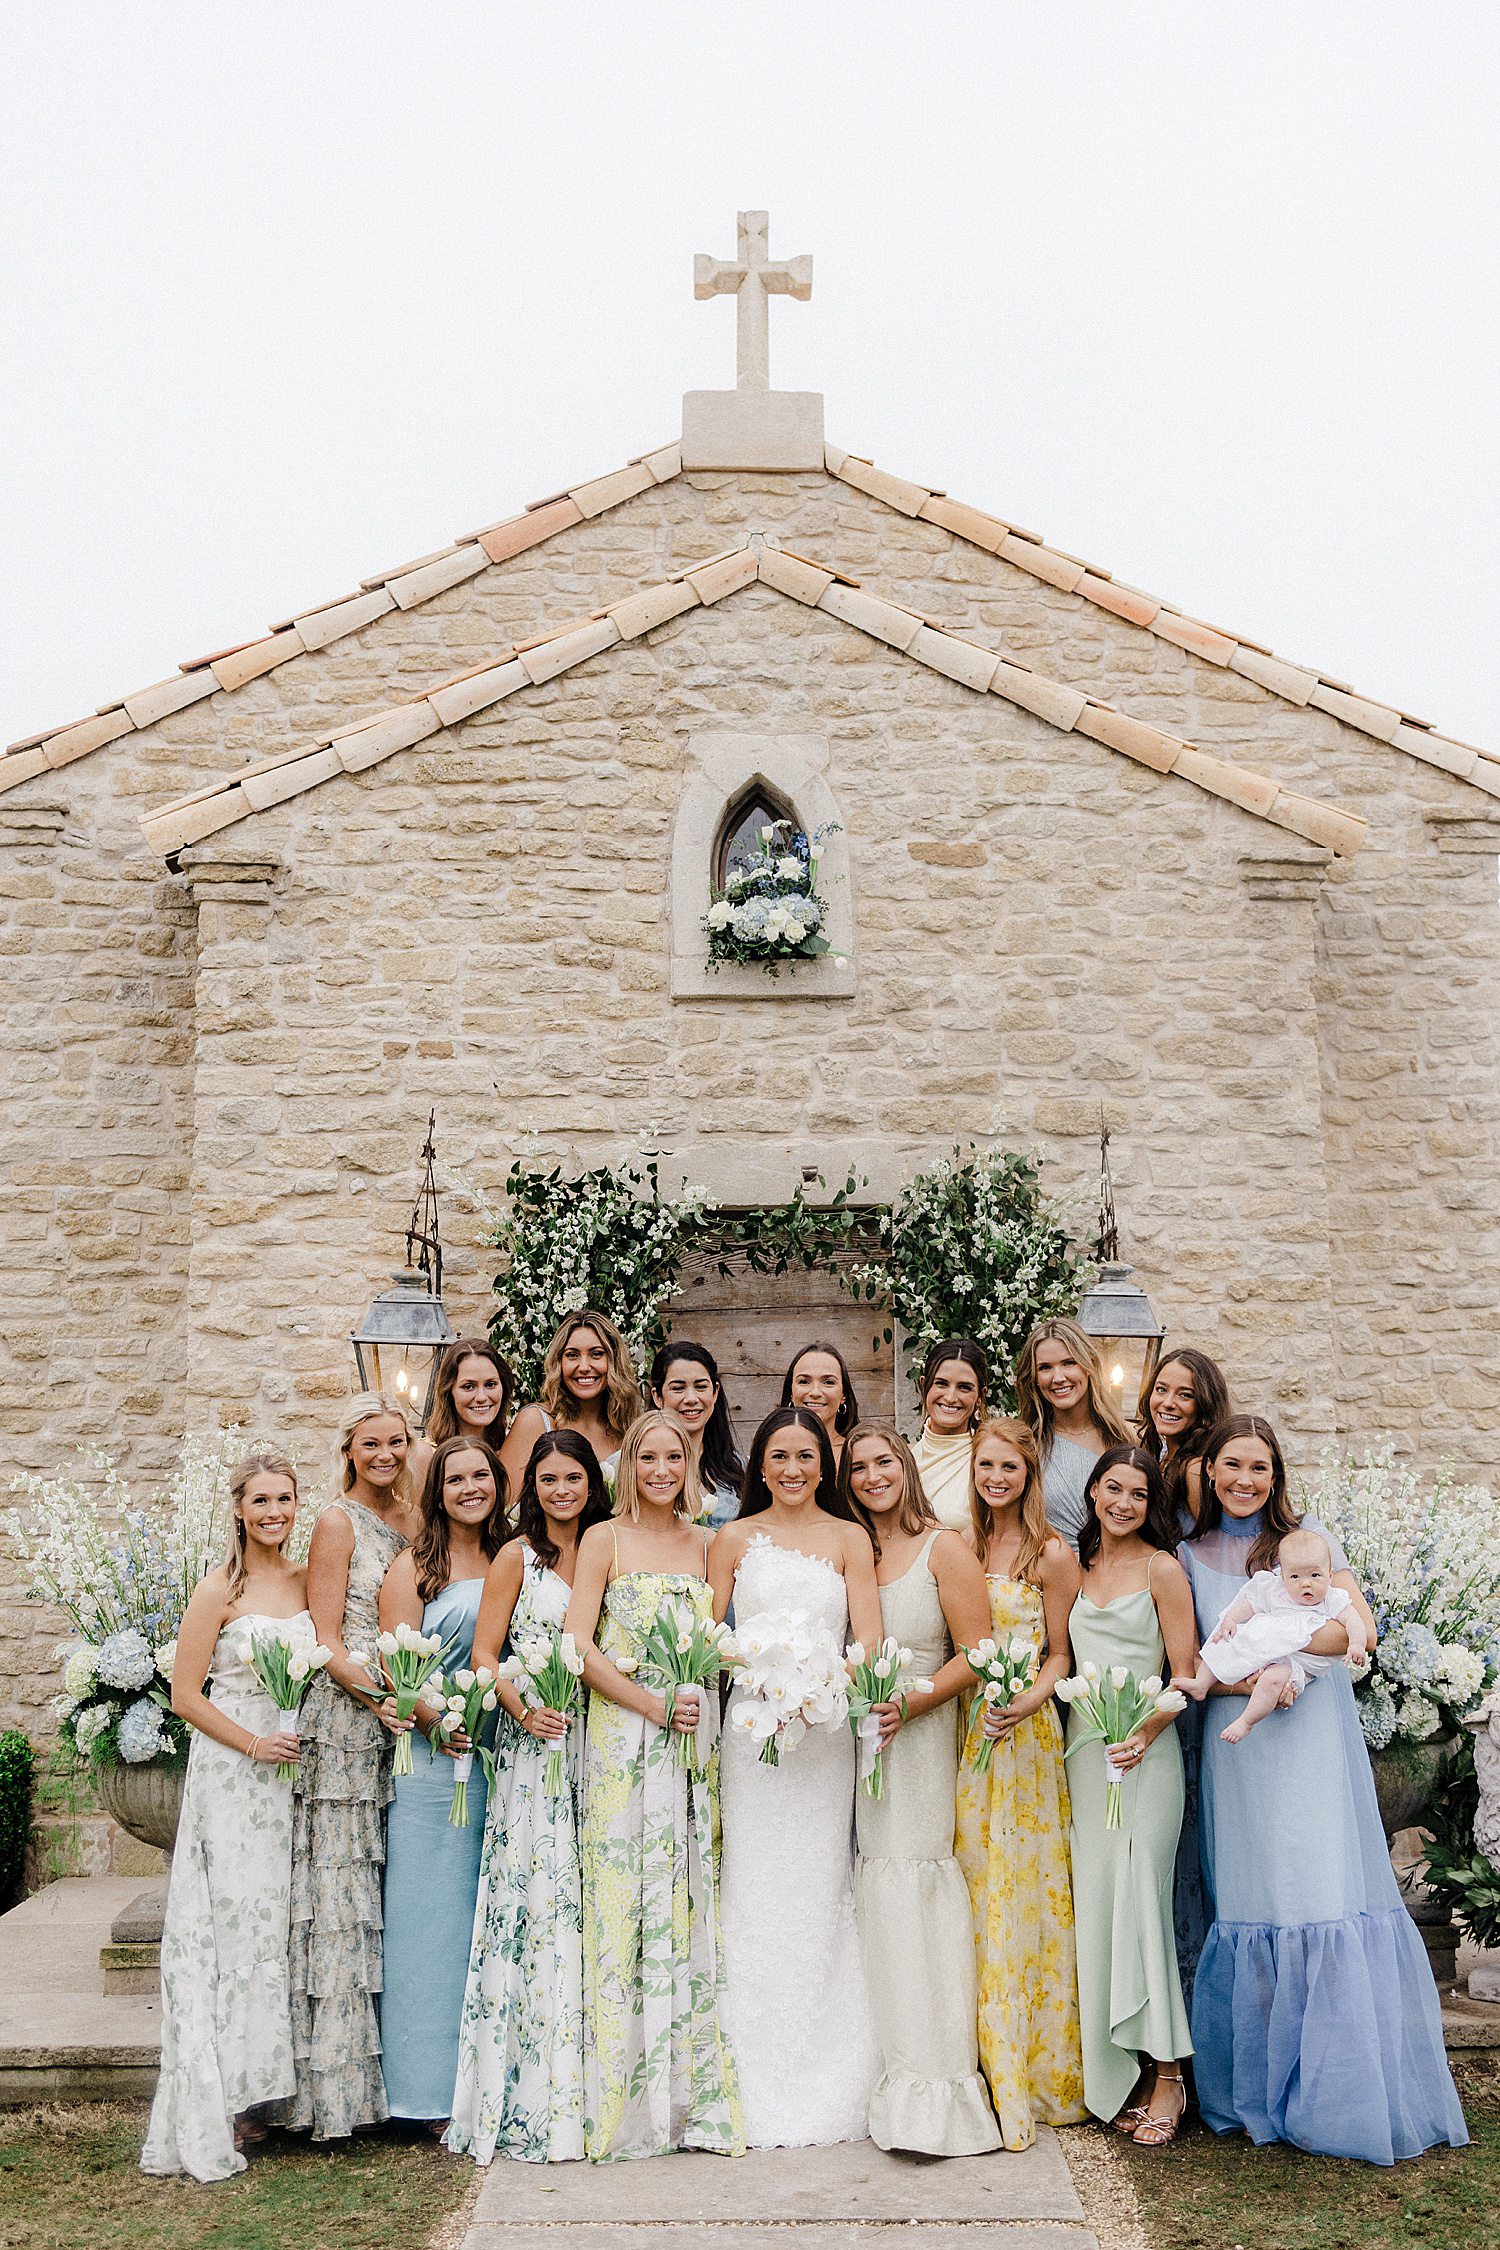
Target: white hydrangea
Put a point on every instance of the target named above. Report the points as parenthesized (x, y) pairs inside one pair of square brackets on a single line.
[(1460, 1673), (80, 1674), (90, 1724), (1416, 1718)]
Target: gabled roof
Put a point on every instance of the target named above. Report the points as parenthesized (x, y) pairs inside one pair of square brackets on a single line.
[(405, 586), (527, 664), (1028, 551)]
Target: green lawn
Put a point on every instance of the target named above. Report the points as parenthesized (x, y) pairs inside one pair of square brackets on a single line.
[(69, 2181), (1210, 2194)]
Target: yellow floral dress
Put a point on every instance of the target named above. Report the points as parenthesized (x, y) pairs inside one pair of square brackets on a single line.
[(657, 2069), (1012, 1844)]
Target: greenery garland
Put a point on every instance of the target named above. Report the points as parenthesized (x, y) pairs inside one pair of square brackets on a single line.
[(16, 1762), (1459, 1875)]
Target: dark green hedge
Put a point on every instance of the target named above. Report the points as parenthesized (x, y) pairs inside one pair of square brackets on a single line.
[(16, 1763)]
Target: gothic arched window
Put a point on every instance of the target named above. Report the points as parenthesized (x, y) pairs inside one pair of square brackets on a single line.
[(739, 831)]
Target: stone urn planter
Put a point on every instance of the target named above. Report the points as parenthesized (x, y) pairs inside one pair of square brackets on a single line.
[(1405, 1774), (145, 1801)]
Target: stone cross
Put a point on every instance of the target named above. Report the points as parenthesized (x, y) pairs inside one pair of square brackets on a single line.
[(750, 279)]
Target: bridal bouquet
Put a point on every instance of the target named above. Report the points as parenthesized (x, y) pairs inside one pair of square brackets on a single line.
[(470, 1697), (404, 1664), (546, 1669), (284, 1662), (684, 1650), (1007, 1669), (882, 1677), (1115, 1703), (791, 1677)]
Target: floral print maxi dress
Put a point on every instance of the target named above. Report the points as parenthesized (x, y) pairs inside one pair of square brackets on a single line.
[(1012, 1844), (520, 2041), (658, 2071), (342, 1790)]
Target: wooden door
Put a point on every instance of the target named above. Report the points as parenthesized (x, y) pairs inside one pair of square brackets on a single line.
[(754, 1324)]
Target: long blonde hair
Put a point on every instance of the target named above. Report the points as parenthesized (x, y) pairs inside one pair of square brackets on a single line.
[(261, 1458), (627, 1493), (622, 1384), (1033, 1409), (916, 1511), (1035, 1529), (363, 1407)]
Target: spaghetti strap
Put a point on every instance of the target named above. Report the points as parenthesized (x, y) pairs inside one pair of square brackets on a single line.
[(614, 1540), (706, 1537)]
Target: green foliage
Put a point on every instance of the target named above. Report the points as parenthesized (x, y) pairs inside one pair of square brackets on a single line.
[(976, 1248), (16, 1762), (1458, 1873)]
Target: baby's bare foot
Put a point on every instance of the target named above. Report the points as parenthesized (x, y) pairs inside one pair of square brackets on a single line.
[(1236, 1732), (1188, 1685)]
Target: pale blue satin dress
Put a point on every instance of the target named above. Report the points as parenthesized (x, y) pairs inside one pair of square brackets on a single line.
[(431, 1885)]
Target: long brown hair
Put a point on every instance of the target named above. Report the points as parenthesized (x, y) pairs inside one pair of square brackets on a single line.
[(622, 1395), (1210, 1405), (1036, 1410), (969, 1354), (915, 1512), (442, 1422), (1278, 1518), (261, 1458), (1160, 1527), (1035, 1529), (848, 1413), (429, 1550)]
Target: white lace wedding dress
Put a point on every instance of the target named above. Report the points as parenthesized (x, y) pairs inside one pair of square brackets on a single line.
[(795, 2007)]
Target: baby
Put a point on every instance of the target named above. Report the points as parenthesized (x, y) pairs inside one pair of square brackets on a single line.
[(1266, 1630)]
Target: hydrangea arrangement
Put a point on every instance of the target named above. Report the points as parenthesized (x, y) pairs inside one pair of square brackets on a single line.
[(1429, 1561), (121, 1570), (769, 910)]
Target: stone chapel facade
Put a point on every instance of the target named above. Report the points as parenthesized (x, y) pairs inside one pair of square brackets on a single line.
[(446, 842)]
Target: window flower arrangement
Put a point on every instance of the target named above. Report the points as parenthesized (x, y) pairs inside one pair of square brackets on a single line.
[(769, 911), (1429, 1561)]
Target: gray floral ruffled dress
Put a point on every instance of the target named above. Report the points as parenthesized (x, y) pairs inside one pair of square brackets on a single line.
[(343, 1787)]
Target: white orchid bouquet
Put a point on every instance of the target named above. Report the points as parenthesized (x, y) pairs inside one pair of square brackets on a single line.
[(1114, 1704), (1005, 1670), (684, 1650), (770, 910), (405, 1663), (881, 1675), (468, 1699), (547, 1669), (790, 1674), (284, 1661), (1429, 1563)]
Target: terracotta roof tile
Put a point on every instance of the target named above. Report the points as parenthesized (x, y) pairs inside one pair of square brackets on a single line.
[(530, 529), (260, 657), (148, 705)]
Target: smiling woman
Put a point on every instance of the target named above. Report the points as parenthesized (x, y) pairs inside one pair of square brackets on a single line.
[(1061, 1393), (589, 1383)]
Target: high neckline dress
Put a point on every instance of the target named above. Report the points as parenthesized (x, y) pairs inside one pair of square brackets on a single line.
[(944, 1463)]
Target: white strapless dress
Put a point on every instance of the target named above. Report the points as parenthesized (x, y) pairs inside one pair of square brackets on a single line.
[(795, 2006)]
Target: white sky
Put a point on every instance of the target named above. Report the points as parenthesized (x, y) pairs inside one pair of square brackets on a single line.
[(1205, 292)]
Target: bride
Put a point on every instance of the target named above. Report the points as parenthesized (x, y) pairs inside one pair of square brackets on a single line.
[(794, 2002)]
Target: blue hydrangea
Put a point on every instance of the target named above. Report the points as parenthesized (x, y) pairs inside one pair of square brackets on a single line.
[(140, 1737), (1377, 1714), (1412, 1654), (126, 1660)]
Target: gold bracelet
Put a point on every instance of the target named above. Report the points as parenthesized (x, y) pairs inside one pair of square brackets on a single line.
[(255, 1743)]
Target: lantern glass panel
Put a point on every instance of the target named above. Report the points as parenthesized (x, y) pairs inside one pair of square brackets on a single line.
[(1129, 1364)]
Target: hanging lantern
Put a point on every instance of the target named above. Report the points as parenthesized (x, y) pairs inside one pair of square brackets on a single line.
[(405, 1332), (1115, 1312)]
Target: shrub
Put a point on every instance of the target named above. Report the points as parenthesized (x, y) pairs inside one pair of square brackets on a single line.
[(16, 1762)]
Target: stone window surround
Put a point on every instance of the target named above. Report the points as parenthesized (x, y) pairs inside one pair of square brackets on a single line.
[(721, 767)]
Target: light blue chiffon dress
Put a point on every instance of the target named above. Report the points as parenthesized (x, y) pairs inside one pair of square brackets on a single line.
[(431, 1884), (1315, 2014)]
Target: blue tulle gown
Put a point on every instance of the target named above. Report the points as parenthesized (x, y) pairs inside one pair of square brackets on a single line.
[(1315, 2015), (431, 1884)]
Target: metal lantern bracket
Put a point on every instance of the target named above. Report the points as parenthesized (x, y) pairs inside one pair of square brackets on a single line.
[(409, 1318)]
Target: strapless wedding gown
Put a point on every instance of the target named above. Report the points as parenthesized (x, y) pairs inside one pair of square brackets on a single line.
[(795, 2005)]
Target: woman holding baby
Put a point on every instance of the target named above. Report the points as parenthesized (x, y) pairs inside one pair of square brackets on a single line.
[(1315, 2015)]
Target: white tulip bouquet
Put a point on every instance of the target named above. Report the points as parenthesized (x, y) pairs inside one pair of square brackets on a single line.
[(791, 1676), (469, 1699), (547, 1669), (1115, 1703), (284, 1662), (880, 1676), (1006, 1669), (684, 1650), (404, 1665)]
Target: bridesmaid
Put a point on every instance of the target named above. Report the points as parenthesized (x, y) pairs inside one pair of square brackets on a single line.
[(589, 1384), (226, 2033), (1188, 1395), (685, 1380), (1314, 2011), (1134, 1608), (659, 2074), (431, 1867), (819, 1379), (1013, 1821), (520, 2049), (344, 1783), (955, 1378), (916, 1929), (470, 1398), (1061, 1395)]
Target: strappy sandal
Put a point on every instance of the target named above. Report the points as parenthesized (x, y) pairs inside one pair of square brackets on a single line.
[(1159, 2132), (1126, 2120)]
